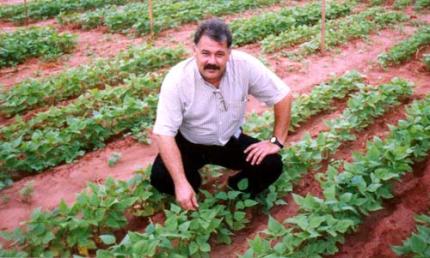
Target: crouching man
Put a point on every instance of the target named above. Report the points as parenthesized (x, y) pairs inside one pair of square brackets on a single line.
[(200, 113)]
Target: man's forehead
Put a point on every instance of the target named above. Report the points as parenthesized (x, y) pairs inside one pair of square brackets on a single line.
[(209, 44)]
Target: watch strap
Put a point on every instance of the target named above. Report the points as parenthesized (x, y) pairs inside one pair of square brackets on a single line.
[(275, 140)]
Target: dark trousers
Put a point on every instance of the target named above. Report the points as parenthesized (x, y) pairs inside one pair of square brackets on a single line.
[(195, 156)]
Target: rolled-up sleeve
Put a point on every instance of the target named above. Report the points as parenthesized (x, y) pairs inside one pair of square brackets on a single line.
[(265, 85), (169, 108)]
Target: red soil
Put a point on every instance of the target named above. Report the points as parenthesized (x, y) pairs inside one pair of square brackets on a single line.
[(373, 238), (7, 2)]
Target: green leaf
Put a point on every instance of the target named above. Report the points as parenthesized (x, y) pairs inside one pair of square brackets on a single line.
[(243, 184), (108, 239)]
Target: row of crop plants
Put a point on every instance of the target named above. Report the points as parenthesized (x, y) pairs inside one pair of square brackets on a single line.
[(16, 47), (419, 5), (187, 233), (351, 191), (406, 49), (308, 104), (166, 15), (255, 28), (61, 134), (50, 137), (418, 244), (337, 31), (42, 9), (301, 25), (35, 93)]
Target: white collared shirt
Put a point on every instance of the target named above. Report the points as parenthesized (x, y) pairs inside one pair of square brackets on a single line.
[(208, 115)]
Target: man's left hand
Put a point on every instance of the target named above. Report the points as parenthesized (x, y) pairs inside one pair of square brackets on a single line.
[(258, 151)]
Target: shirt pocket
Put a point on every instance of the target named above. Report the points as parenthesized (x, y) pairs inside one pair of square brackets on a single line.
[(236, 109)]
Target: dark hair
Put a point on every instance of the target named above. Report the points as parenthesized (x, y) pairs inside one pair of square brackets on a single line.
[(215, 29)]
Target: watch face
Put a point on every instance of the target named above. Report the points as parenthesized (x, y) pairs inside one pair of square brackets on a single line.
[(273, 139)]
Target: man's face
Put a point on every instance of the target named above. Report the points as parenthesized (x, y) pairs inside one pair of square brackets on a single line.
[(212, 57)]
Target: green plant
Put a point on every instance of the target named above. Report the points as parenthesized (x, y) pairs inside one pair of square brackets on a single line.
[(418, 244), (34, 93), (401, 4), (357, 26), (110, 112), (26, 192), (348, 196), (167, 14), (114, 159), (426, 61), (16, 47), (230, 207), (43, 9), (421, 4), (88, 223), (272, 23), (5, 198), (376, 2), (405, 49), (304, 106)]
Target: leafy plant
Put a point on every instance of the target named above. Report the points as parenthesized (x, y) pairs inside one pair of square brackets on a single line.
[(43, 9), (230, 207), (401, 4), (167, 14), (272, 23), (349, 28), (18, 46), (26, 192), (421, 4), (86, 225), (352, 194), (405, 49), (41, 147), (426, 61), (304, 106), (114, 159), (303, 33), (72, 83), (418, 244)]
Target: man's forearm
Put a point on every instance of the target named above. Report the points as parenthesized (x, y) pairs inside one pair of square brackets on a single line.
[(171, 157), (282, 118)]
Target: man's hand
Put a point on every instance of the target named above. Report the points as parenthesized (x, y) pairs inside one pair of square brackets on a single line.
[(186, 197), (258, 151)]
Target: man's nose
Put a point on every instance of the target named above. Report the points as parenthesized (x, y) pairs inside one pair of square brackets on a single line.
[(212, 59)]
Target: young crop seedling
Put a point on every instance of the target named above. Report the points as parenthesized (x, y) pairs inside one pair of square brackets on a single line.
[(114, 159), (26, 192), (426, 61)]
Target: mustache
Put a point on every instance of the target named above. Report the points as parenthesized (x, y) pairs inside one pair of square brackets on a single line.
[(211, 67)]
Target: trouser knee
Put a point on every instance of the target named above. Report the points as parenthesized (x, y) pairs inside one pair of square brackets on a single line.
[(161, 179), (272, 165)]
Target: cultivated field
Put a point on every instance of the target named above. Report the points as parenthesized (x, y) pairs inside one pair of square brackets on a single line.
[(79, 85)]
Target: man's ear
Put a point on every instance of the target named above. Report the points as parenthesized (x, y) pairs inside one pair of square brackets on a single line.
[(195, 50)]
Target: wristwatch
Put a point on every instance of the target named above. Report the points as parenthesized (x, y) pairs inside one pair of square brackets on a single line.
[(275, 140)]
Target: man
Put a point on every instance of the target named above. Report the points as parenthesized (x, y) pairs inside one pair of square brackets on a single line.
[(200, 113)]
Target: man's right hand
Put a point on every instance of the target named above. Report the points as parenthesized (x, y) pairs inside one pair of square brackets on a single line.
[(186, 197)]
